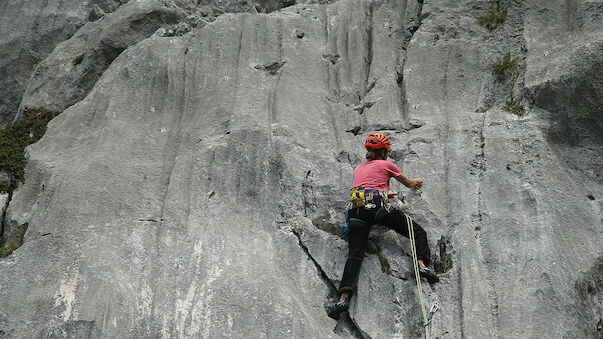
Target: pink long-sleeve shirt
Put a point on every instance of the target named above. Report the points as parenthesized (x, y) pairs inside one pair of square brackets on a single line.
[(375, 174)]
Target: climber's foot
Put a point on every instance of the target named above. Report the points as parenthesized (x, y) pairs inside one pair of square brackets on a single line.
[(334, 309), (428, 274)]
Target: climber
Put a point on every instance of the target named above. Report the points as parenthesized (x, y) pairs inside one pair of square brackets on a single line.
[(368, 207)]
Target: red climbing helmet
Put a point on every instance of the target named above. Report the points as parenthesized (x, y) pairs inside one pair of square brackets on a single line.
[(377, 141)]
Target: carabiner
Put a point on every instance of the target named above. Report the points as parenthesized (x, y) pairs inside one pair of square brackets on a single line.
[(432, 311)]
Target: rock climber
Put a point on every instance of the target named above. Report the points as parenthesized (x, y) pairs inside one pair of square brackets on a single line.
[(369, 207)]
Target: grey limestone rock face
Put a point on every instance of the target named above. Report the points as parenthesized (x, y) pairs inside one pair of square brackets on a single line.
[(67, 75), (29, 32), (198, 189), (3, 202), (565, 78)]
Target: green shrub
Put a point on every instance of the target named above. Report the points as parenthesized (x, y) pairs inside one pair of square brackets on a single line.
[(8, 250), (446, 268), (78, 59), (493, 19), (505, 67), (514, 107), (13, 140)]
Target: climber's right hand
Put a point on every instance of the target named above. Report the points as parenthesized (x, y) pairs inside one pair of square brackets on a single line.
[(416, 183)]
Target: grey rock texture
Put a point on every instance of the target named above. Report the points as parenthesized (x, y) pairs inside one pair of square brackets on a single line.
[(29, 32), (565, 77), (3, 202), (198, 189), (67, 75)]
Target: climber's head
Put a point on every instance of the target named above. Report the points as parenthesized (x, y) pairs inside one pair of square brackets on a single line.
[(377, 146)]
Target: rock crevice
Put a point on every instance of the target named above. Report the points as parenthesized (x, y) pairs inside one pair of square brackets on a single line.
[(345, 324), (171, 185)]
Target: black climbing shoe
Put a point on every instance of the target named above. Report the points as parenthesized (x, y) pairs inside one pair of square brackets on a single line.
[(428, 274), (334, 309)]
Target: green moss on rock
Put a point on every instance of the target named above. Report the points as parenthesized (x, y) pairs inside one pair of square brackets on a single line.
[(78, 59), (514, 107), (505, 67), (385, 267), (373, 248), (13, 140), (493, 19), (8, 250), (444, 268)]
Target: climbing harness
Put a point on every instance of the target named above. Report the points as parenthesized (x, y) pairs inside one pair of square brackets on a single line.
[(415, 261), (356, 200), (359, 197)]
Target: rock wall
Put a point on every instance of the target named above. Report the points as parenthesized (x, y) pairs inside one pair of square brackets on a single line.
[(198, 189), (30, 31), (69, 73)]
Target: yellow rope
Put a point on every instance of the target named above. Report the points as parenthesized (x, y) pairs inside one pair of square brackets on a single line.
[(413, 250)]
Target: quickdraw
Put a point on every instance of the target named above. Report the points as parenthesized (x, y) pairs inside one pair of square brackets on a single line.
[(432, 311)]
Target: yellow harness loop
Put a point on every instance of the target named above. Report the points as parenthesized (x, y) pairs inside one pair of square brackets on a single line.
[(413, 250)]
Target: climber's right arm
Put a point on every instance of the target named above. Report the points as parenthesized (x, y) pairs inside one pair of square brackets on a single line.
[(410, 183)]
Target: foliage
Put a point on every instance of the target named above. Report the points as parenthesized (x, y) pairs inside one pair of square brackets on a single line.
[(78, 59), (493, 19), (444, 269), (8, 250), (505, 67), (514, 107), (13, 140), (385, 268)]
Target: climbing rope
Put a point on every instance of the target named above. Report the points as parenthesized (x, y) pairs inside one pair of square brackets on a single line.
[(413, 250)]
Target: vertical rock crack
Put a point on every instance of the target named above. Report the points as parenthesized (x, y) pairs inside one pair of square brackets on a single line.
[(369, 50), (403, 102), (345, 322), (492, 295), (3, 221)]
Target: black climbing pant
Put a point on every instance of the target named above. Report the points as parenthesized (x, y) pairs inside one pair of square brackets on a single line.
[(361, 221)]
